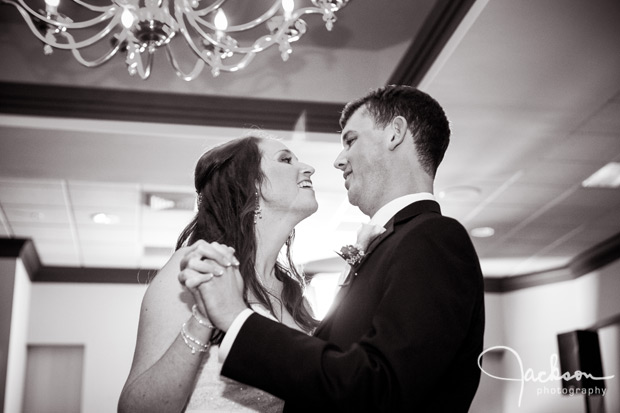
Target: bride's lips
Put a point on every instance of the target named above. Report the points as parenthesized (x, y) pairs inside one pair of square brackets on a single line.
[(305, 184)]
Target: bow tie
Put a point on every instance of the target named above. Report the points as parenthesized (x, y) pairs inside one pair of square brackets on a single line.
[(353, 254)]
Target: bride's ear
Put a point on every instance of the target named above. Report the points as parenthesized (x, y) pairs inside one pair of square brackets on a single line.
[(399, 128)]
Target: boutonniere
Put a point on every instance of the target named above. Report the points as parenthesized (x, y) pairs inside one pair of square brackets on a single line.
[(353, 254)]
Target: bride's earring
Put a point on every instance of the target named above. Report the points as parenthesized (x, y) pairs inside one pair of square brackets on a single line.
[(290, 238), (257, 211)]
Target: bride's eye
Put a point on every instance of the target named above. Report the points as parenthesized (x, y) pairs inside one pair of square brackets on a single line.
[(287, 159)]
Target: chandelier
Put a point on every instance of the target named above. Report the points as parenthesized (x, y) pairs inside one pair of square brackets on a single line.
[(140, 27)]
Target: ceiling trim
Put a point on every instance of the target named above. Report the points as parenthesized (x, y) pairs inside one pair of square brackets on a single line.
[(160, 107), (95, 275), (21, 248), (437, 29), (584, 263)]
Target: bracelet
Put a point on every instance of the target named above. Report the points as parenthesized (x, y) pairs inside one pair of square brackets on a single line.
[(194, 344), (202, 320)]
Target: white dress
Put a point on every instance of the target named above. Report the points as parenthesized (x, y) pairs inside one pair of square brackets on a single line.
[(216, 393)]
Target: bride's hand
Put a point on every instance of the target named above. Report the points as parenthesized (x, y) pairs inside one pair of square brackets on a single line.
[(209, 271), (203, 261)]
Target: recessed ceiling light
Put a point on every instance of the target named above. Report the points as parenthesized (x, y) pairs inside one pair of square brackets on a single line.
[(104, 219), (459, 193), (165, 201), (606, 177), (482, 232)]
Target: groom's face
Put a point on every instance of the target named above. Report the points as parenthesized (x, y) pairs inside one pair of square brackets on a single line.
[(362, 161)]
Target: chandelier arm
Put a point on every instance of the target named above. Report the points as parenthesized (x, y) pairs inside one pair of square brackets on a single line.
[(261, 43), (27, 13), (272, 11), (93, 7), (334, 7), (84, 43), (66, 46), (206, 10), (190, 42), (211, 58), (306, 10), (245, 60), (135, 64), (91, 63), (245, 26), (108, 14), (200, 64), (195, 24)]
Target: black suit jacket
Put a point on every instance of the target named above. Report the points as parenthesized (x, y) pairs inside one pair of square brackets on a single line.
[(403, 336)]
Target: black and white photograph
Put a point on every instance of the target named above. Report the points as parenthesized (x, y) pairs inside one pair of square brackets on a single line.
[(267, 206)]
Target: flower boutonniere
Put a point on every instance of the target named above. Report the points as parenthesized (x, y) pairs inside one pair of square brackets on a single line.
[(353, 254)]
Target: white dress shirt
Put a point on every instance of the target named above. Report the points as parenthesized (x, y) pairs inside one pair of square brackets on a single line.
[(381, 217)]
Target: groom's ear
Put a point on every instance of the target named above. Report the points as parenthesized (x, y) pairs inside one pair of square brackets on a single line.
[(399, 127)]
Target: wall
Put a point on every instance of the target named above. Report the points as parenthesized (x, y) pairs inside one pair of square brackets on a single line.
[(7, 282), (17, 348), (15, 288), (488, 397), (102, 317), (532, 319)]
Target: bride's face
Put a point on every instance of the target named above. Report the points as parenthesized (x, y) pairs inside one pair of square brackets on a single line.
[(287, 188)]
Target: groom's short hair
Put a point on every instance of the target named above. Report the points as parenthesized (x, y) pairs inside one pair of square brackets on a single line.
[(425, 117)]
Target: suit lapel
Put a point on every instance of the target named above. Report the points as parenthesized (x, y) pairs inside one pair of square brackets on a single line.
[(346, 286), (389, 229), (405, 214)]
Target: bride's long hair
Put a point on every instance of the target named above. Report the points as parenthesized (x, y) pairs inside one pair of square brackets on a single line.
[(226, 178)]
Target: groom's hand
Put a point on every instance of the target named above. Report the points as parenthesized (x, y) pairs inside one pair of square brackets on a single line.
[(210, 270)]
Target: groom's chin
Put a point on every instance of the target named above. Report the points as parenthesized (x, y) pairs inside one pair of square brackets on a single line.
[(353, 198)]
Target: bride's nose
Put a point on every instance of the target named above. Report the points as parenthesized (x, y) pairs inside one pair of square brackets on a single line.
[(307, 169)]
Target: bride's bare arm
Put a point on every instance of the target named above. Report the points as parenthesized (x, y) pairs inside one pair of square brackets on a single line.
[(164, 369)]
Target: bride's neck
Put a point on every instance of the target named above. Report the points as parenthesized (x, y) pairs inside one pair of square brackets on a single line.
[(270, 237)]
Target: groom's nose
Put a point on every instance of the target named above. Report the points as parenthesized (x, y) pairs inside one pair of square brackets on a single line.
[(341, 161)]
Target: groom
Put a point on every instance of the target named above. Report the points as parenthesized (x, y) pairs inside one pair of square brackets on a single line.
[(405, 331)]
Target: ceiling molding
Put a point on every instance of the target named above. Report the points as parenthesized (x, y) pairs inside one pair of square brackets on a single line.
[(160, 107), (95, 275), (437, 29), (605, 322), (584, 263), (21, 248)]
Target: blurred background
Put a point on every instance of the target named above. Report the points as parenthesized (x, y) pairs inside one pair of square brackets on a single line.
[(96, 175)]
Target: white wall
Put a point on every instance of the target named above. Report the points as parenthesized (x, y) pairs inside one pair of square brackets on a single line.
[(17, 342), (532, 318), (489, 395), (102, 317)]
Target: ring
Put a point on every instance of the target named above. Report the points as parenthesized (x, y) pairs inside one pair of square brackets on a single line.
[(218, 275)]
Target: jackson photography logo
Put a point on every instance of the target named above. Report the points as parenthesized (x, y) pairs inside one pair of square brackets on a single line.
[(553, 374)]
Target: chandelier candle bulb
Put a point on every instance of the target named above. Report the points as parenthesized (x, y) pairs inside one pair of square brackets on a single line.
[(221, 24), (288, 6), (51, 6), (127, 18)]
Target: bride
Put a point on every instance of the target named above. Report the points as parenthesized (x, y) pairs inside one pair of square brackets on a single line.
[(252, 192)]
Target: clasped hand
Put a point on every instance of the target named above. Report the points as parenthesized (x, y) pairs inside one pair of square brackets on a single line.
[(210, 271)]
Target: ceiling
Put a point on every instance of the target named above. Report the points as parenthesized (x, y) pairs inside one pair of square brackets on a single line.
[(532, 90)]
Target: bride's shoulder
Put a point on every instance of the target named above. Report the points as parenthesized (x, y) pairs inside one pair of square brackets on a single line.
[(167, 276)]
